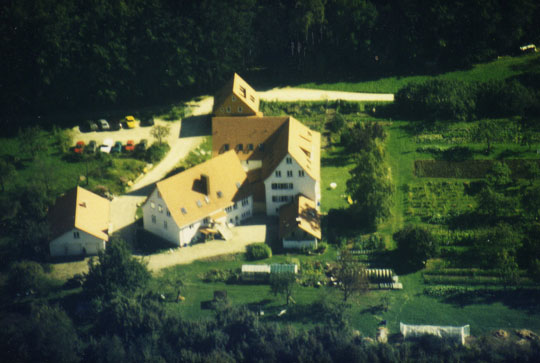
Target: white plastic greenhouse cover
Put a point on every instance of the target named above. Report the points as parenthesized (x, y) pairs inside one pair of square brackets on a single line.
[(449, 332)]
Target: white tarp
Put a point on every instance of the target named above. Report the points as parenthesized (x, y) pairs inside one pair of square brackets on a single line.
[(457, 333)]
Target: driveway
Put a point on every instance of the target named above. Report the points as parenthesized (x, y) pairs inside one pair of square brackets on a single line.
[(185, 136)]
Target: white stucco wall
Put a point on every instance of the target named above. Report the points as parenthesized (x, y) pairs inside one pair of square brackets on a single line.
[(301, 185), (289, 243), (155, 206), (68, 245), (184, 234)]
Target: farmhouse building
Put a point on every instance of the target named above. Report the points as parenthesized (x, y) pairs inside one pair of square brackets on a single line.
[(200, 201), (280, 155), (79, 223), (299, 224), (236, 98)]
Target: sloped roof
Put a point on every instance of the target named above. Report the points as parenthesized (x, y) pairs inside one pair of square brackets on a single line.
[(241, 89), (281, 135), (300, 213), (299, 141), (252, 130), (81, 209), (186, 194)]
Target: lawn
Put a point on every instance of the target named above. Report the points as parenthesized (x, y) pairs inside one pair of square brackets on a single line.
[(502, 68)]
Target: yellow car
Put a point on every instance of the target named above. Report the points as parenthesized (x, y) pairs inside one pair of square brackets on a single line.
[(130, 122)]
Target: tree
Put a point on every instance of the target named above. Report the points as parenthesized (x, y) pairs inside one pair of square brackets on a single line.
[(499, 175), (494, 204), (351, 275), (63, 138), (531, 202), (486, 131), (283, 283), (160, 132), (532, 171), (415, 245), (25, 276), (116, 271), (31, 141), (508, 269), (371, 188), (497, 248), (7, 172)]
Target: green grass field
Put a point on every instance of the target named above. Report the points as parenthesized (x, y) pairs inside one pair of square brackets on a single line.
[(499, 69)]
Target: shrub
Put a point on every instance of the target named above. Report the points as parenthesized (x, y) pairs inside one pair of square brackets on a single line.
[(27, 276), (258, 251), (157, 152)]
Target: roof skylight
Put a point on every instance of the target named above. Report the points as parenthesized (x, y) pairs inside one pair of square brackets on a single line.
[(184, 211)]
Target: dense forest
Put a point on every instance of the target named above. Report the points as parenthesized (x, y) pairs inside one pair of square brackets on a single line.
[(74, 56)]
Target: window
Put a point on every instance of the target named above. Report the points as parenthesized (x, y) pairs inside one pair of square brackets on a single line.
[(228, 209), (76, 235), (231, 220), (233, 98), (240, 109), (165, 224), (261, 147), (228, 109), (239, 147), (252, 98), (290, 185), (301, 173), (278, 174), (274, 198), (168, 213), (284, 198), (282, 186), (191, 226), (219, 194), (199, 203), (245, 202), (226, 147), (184, 211), (288, 160), (238, 185), (289, 173), (153, 205), (206, 220), (235, 206), (153, 218), (250, 147), (160, 208), (221, 109), (242, 91)]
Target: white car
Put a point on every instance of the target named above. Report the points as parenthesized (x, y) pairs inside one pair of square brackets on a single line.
[(106, 146), (104, 125)]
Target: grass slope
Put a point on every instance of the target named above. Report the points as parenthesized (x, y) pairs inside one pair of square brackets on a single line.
[(502, 68)]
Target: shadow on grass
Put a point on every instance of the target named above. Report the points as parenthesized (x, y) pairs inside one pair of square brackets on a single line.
[(194, 126), (519, 299)]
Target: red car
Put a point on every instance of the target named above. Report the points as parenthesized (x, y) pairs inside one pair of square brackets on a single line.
[(79, 147), (130, 146)]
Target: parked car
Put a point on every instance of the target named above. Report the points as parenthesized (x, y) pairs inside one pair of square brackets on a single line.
[(91, 147), (130, 122), (88, 126), (117, 148), (143, 145), (147, 121), (115, 125), (79, 147), (107, 146), (104, 125), (130, 146)]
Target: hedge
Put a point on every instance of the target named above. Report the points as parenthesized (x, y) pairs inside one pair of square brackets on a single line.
[(467, 169), (258, 251)]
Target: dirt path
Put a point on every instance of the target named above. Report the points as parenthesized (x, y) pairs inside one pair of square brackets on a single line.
[(185, 136)]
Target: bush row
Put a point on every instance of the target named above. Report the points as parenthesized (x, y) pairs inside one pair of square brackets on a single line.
[(464, 101), (467, 169)]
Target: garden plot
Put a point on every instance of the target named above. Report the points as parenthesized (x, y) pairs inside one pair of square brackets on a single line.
[(435, 201)]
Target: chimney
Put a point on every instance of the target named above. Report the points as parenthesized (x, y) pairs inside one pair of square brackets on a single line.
[(205, 184)]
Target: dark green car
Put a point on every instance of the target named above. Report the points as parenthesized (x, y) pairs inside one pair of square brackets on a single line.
[(117, 148)]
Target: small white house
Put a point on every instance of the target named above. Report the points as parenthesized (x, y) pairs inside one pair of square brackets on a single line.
[(204, 200), (300, 224), (80, 223)]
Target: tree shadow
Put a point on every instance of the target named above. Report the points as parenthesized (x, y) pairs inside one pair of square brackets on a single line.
[(519, 299)]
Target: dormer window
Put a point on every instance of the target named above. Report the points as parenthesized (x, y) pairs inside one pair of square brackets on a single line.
[(240, 147), (183, 210), (250, 147), (226, 147), (238, 185), (219, 194), (261, 147), (199, 203), (233, 98), (242, 91), (228, 109), (240, 109)]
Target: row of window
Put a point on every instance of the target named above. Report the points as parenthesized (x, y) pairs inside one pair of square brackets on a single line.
[(240, 147), (289, 173), (282, 186), (281, 198), (228, 109)]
